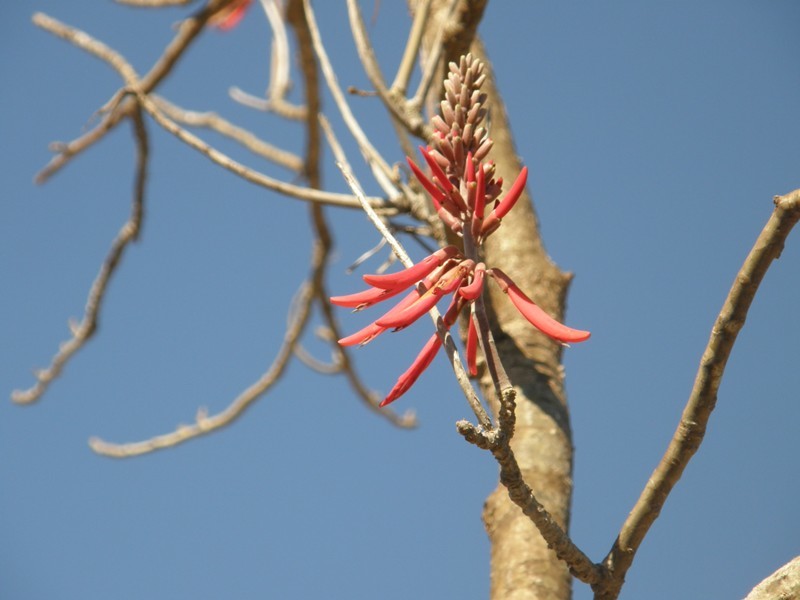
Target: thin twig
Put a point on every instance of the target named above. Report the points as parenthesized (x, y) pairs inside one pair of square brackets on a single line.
[(691, 429), (386, 177), (188, 31), (82, 332), (204, 424), (288, 189), (409, 117), (246, 138), (432, 61), (279, 80), (406, 68)]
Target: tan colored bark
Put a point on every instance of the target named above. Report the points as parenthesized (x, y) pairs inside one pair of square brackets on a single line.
[(522, 567)]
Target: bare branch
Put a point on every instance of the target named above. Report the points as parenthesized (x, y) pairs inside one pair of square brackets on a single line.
[(406, 68), (432, 61), (410, 117), (691, 429), (383, 174), (288, 189), (82, 332), (279, 81), (300, 311), (246, 138), (187, 32)]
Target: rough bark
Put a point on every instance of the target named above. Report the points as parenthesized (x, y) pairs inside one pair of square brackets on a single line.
[(522, 567), (783, 584)]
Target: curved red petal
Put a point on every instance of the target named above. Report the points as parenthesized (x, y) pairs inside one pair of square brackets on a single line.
[(413, 273), (364, 298), (535, 315), (474, 289), (507, 203), (421, 362)]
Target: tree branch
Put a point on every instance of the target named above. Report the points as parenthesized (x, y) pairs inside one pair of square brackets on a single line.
[(692, 427), (82, 332)]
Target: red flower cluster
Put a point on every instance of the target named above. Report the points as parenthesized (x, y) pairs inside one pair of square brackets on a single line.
[(449, 271)]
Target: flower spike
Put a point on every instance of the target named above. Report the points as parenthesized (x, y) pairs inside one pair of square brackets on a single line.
[(467, 193), (535, 315)]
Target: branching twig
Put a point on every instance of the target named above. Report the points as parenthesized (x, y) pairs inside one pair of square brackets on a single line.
[(384, 175), (204, 424), (129, 232), (410, 117), (288, 189), (188, 30), (246, 138), (691, 429)]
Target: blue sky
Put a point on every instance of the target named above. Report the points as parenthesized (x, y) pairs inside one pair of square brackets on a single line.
[(656, 135)]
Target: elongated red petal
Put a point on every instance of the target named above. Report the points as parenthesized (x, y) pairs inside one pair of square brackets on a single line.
[(480, 202), (436, 194), (436, 169), (534, 314), (422, 362), (447, 284), (414, 273), (229, 17), (364, 298), (362, 336), (474, 289), (472, 347), (507, 203)]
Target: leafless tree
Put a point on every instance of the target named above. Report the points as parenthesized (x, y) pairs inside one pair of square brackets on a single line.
[(520, 406)]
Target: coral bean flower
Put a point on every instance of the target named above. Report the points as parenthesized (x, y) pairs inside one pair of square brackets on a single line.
[(449, 272), (467, 198)]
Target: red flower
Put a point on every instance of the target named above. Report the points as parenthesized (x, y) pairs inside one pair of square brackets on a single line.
[(467, 197), (448, 272)]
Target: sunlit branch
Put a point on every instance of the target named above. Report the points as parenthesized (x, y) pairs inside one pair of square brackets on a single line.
[(384, 175), (246, 138), (188, 30), (279, 80), (409, 117), (288, 189), (129, 232), (406, 68), (299, 315), (690, 432)]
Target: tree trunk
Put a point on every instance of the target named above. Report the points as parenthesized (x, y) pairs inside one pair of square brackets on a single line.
[(522, 567)]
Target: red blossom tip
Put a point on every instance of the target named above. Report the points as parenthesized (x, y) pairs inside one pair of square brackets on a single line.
[(364, 298), (362, 336), (507, 203), (474, 289), (422, 362), (447, 284), (436, 169), (534, 314), (404, 278)]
